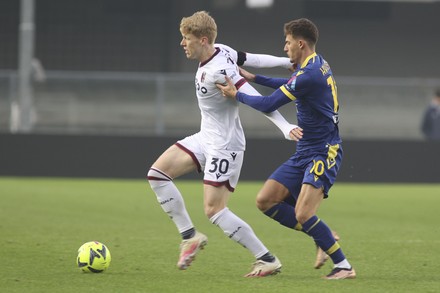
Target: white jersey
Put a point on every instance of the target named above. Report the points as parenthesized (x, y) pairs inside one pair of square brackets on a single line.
[(220, 125)]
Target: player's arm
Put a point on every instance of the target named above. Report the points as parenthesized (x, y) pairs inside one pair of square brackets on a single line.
[(261, 103), (262, 60), (271, 82), (274, 116), (263, 80), (256, 60), (290, 131)]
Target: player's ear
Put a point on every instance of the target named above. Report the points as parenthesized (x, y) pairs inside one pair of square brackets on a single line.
[(204, 40)]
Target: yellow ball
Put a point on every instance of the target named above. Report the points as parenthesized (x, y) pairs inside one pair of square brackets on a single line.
[(93, 257)]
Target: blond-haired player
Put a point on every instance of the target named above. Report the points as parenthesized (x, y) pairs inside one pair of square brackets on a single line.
[(217, 149)]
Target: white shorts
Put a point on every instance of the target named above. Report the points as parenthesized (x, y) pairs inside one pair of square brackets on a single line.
[(221, 167)]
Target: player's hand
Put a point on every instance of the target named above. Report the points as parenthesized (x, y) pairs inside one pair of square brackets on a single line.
[(228, 89), (250, 77), (296, 133), (293, 68)]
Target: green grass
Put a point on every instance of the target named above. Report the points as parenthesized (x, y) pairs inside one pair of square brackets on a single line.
[(390, 233)]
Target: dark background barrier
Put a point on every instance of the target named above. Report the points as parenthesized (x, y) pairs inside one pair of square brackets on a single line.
[(130, 157), (358, 38)]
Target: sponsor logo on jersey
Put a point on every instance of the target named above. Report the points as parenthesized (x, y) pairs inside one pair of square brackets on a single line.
[(292, 82), (202, 79), (223, 71)]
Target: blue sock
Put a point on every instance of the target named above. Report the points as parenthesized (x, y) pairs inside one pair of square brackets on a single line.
[(323, 237), (284, 214)]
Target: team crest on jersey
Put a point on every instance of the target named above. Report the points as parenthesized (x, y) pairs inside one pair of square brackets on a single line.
[(202, 78), (292, 82)]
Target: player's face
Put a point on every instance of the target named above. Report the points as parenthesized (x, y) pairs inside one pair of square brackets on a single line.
[(292, 49), (191, 45)]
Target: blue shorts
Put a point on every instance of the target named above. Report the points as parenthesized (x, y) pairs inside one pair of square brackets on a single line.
[(318, 169)]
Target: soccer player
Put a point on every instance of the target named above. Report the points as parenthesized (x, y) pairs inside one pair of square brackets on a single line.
[(217, 149), (294, 191)]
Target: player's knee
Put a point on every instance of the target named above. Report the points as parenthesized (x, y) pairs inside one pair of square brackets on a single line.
[(263, 202), (210, 211), (157, 178), (302, 216)]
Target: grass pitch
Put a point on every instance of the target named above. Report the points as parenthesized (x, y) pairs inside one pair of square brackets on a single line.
[(390, 233)]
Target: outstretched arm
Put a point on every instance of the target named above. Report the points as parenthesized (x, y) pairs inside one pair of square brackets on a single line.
[(262, 60), (263, 80), (290, 131)]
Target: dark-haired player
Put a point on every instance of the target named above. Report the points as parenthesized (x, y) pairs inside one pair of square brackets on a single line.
[(294, 192)]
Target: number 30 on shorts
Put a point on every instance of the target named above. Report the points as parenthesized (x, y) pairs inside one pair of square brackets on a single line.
[(221, 165)]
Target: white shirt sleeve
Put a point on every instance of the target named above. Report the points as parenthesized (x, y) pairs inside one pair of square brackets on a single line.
[(256, 60), (266, 61)]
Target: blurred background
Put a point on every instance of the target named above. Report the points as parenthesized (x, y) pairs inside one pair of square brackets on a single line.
[(115, 67)]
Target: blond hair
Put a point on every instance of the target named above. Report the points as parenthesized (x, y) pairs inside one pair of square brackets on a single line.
[(200, 24)]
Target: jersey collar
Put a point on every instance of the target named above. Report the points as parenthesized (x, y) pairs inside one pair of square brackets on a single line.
[(304, 64), (217, 50)]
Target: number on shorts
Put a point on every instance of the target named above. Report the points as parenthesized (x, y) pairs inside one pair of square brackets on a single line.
[(221, 165), (318, 168)]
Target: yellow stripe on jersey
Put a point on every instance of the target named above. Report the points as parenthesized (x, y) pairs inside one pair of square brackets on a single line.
[(287, 93), (333, 248)]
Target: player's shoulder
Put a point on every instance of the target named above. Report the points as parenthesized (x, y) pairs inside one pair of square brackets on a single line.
[(316, 69), (225, 48), (227, 52)]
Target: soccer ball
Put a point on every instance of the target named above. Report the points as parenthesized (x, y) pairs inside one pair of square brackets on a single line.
[(93, 257)]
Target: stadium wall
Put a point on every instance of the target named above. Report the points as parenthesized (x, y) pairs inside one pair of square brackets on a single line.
[(129, 157)]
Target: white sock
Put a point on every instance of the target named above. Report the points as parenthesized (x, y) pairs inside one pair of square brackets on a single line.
[(170, 199), (238, 230), (343, 264)]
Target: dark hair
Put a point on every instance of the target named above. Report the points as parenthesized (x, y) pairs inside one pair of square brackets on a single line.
[(303, 28)]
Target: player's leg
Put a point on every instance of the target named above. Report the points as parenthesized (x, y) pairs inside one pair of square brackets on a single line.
[(271, 200), (221, 177), (238, 230), (174, 162), (321, 256), (307, 206), (277, 199)]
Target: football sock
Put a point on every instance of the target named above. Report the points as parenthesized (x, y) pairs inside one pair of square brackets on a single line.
[(323, 237), (284, 214), (268, 257), (188, 233), (343, 264), (170, 200), (239, 231)]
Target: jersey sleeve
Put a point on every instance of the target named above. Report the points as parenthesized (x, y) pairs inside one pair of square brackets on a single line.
[(269, 81), (237, 79), (275, 117), (297, 86), (262, 60), (232, 53), (264, 103)]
